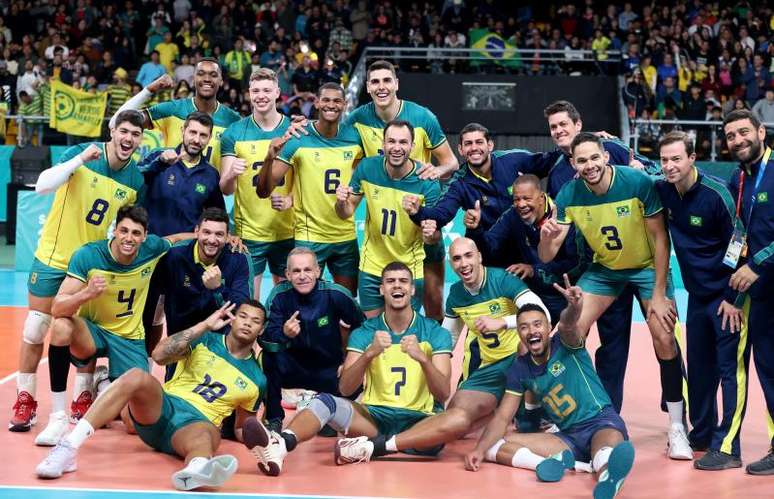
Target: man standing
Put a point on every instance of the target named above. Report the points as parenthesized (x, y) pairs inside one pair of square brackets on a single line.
[(307, 331), (92, 181), (265, 226), (389, 233), (750, 186), (701, 222)]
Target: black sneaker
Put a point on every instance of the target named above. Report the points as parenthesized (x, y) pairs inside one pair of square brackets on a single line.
[(714, 460), (763, 466)]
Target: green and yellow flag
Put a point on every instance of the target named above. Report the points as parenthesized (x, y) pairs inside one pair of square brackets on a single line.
[(494, 47), (76, 112)]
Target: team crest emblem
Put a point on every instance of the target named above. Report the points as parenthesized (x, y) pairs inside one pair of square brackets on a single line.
[(200, 188), (494, 308), (145, 272), (252, 148), (588, 216), (323, 321), (120, 194), (171, 179), (348, 155), (556, 369), (316, 156), (376, 193), (763, 197), (240, 383), (186, 281), (622, 211), (696, 221), (94, 182)]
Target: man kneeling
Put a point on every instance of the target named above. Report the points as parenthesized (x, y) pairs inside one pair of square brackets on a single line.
[(558, 369), (214, 375), (405, 359)]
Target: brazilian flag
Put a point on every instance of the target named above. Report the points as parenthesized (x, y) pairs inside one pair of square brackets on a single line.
[(494, 48)]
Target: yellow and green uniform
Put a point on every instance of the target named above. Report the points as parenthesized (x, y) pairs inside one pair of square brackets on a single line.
[(614, 226), (390, 235), (319, 166), (237, 64), (206, 386), (487, 355), (168, 117), (114, 317), (83, 210), (118, 94), (396, 393), (262, 228)]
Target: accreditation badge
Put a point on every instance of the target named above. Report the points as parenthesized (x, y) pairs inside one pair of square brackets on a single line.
[(737, 248)]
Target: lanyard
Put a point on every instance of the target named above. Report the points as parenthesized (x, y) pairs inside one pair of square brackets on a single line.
[(758, 178)]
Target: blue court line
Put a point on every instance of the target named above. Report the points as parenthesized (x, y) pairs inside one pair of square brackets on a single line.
[(9, 492)]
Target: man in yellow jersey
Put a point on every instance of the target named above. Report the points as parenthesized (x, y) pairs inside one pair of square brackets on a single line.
[(214, 375), (390, 235), (618, 211), (168, 117), (92, 181), (322, 160), (486, 300), (266, 227), (98, 309), (430, 142), (405, 359)]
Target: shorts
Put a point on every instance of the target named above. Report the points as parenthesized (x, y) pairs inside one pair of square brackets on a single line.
[(489, 379), (275, 253), (176, 413), (435, 253), (122, 353), (342, 259), (599, 280), (44, 281), (578, 437), (370, 299)]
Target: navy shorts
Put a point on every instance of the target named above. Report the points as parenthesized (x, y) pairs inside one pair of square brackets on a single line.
[(578, 437)]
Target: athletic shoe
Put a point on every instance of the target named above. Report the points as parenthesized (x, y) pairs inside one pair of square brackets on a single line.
[(678, 446), (618, 467), (213, 474), (80, 406), (58, 422), (267, 447), (274, 425), (25, 412), (60, 460), (353, 450), (763, 466), (101, 381), (552, 468), (714, 460)]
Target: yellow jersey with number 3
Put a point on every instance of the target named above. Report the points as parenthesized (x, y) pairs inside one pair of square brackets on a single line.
[(393, 378), (119, 308)]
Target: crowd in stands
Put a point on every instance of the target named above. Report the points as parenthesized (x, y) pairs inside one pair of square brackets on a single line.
[(690, 59)]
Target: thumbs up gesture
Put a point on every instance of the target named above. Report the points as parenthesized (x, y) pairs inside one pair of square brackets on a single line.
[(473, 216)]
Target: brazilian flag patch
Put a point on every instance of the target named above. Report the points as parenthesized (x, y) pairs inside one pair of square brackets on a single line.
[(323, 321), (763, 197), (200, 188), (696, 221)]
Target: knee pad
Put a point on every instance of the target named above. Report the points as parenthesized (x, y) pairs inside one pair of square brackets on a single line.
[(336, 412), (35, 327)]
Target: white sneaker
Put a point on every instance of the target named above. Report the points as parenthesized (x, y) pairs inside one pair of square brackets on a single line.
[(678, 446), (213, 474), (60, 460), (58, 423), (271, 455), (353, 450)]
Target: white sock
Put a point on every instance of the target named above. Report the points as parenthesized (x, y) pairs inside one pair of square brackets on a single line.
[(675, 410), (197, 464), (491, 453), (27, 382), (584, 467), (83, 382), (525, 458), (600, 459), (80, 433), (58, 401), (390, 445), (531, 407)]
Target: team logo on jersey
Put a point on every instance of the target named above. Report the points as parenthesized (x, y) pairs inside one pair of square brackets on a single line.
[(200, 188), (252, 149), (622, 211), (588, 216), (120, 194), (94, 182), (316, 156), (145, 272), (696, 221), (171, 179), (763, 197), (186, 281), (348, 155), (323, 321), (494, 308), (375, 194), (240, 383), (556, 369)]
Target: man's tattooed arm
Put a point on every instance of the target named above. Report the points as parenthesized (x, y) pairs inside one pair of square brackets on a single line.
[(176, 346)]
